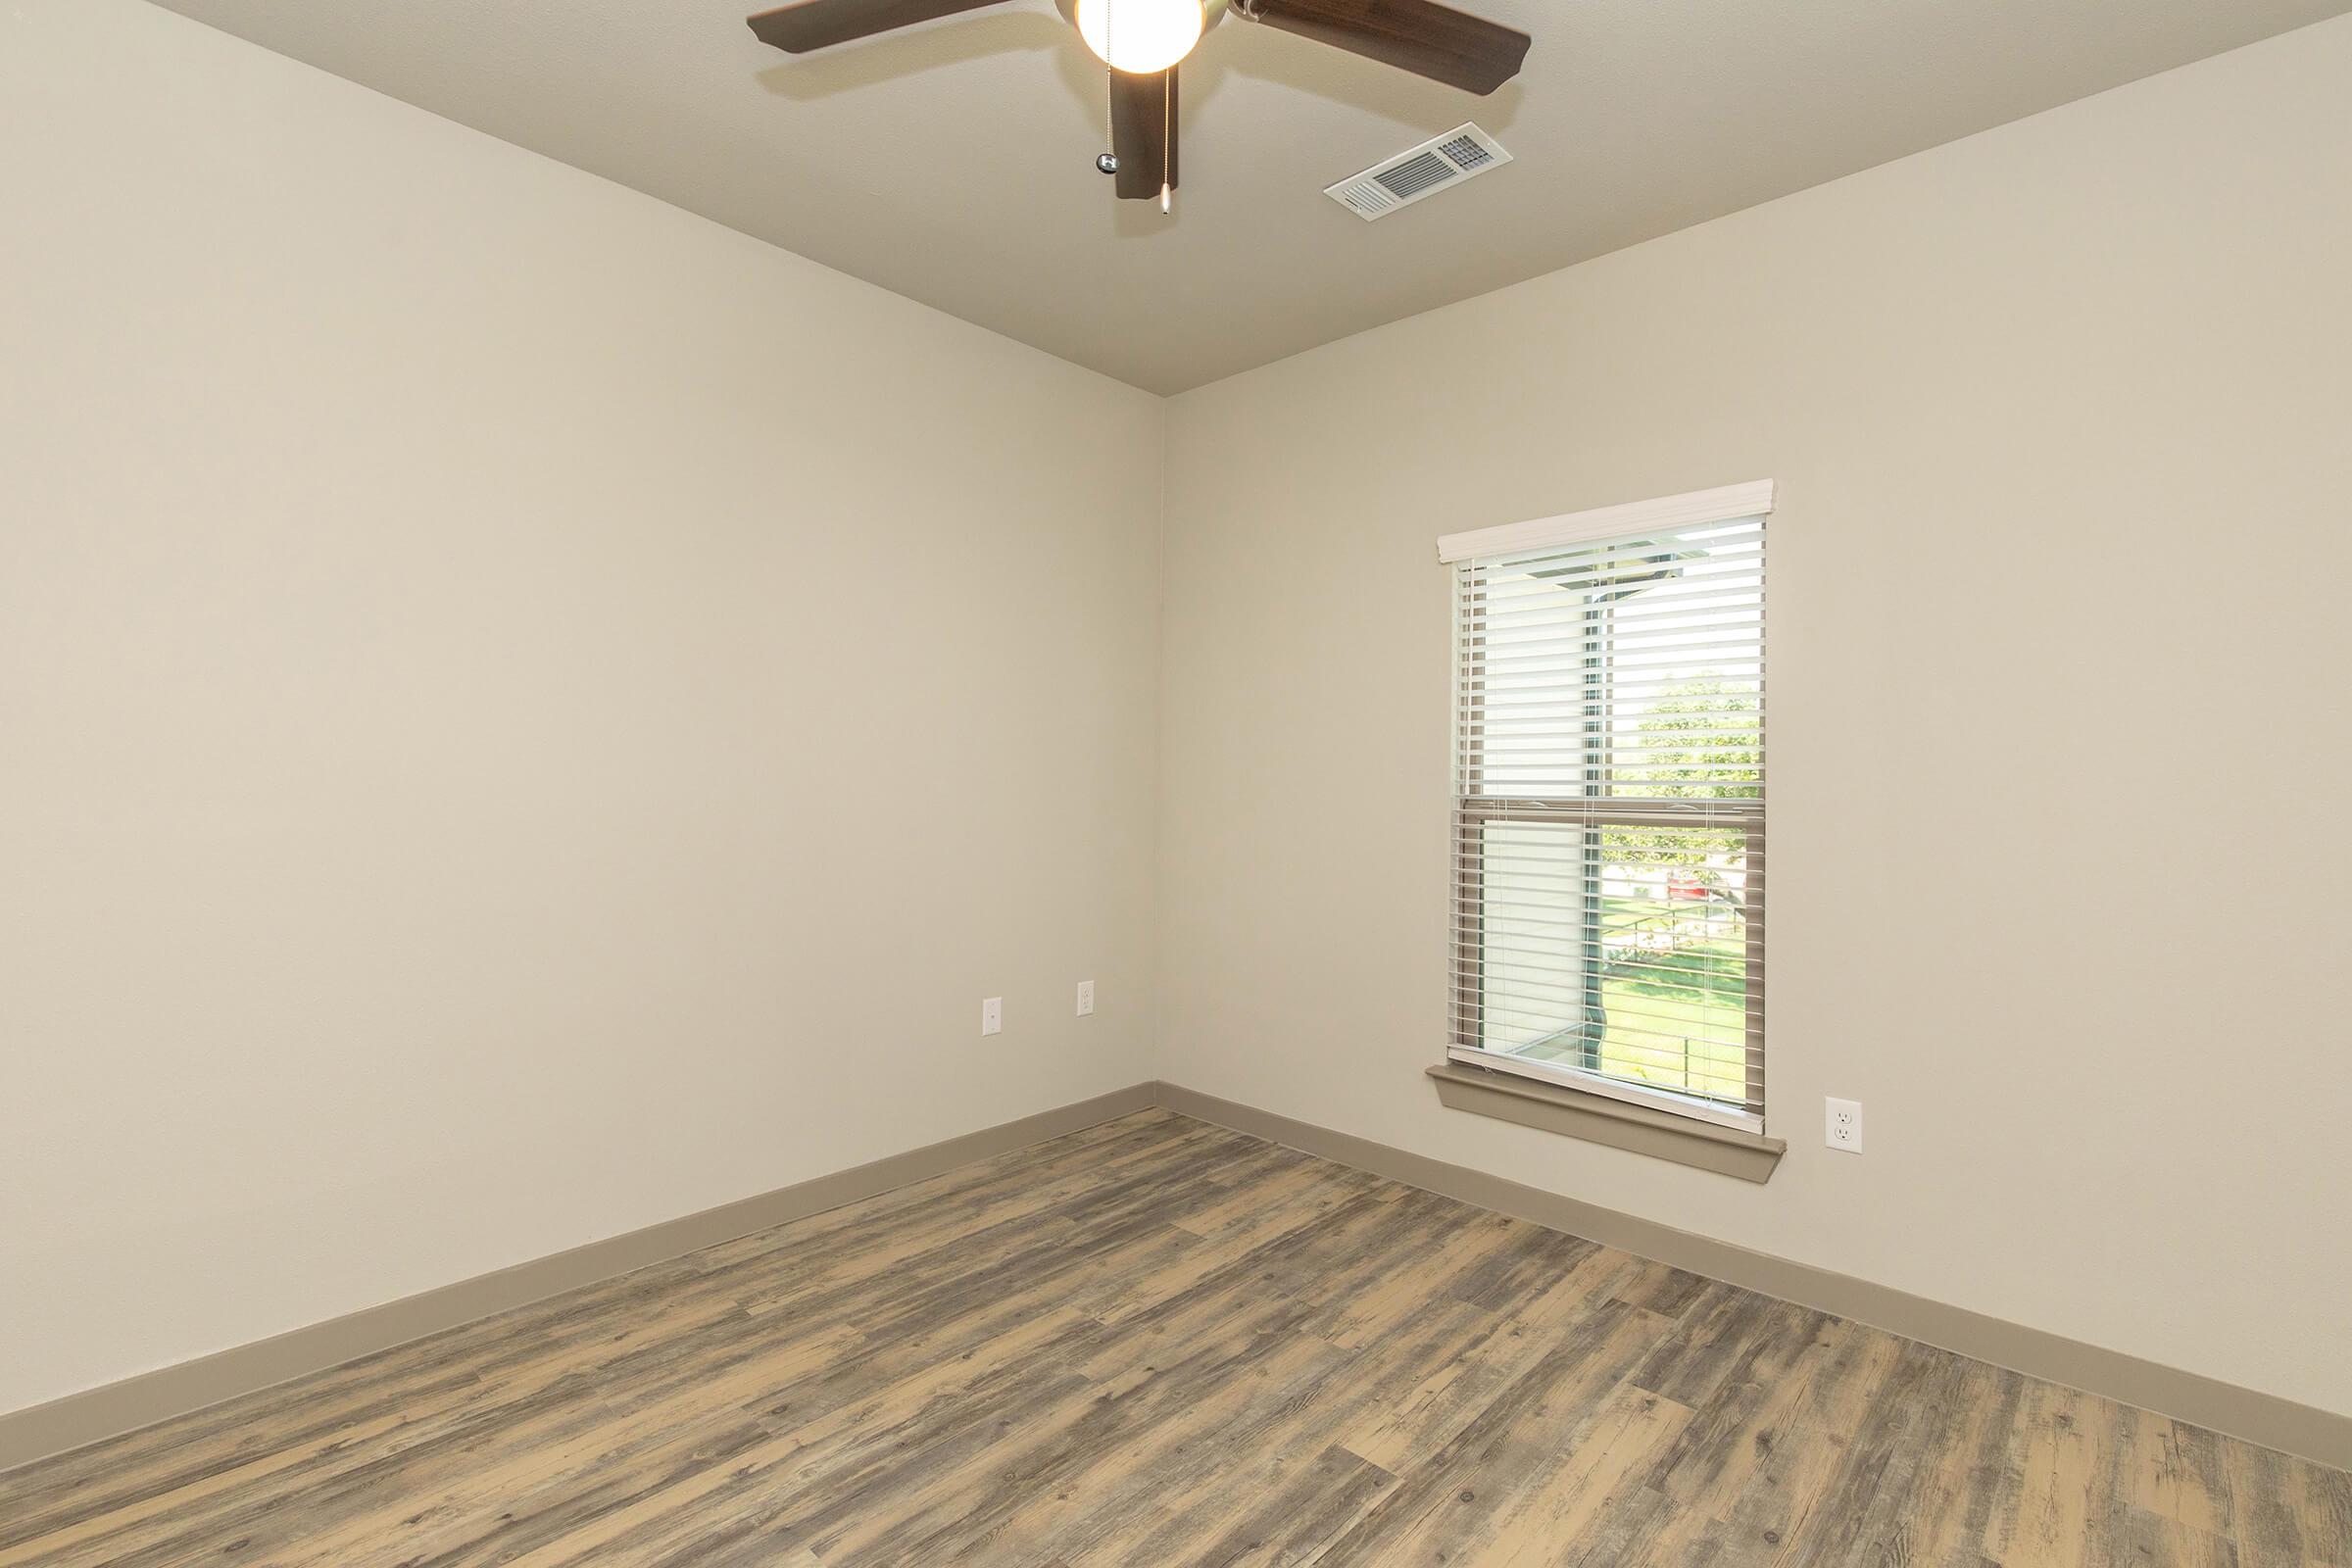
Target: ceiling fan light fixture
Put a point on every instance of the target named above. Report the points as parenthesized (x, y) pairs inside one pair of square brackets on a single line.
[(1140, 37)]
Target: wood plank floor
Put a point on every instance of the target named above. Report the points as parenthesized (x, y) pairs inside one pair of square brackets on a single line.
[(1161, 1342)]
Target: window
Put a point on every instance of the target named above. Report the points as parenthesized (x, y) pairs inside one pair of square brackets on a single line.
[(1608, 810)]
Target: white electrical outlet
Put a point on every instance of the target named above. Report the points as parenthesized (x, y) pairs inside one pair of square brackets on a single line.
[(1845, 1125), (992, 1016), (1086, 997)]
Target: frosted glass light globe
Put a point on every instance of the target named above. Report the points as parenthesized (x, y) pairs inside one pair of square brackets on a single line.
[(1142, 36)]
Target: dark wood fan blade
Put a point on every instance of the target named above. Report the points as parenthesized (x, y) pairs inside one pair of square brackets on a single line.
[(822, 24), (1143, 133), (1421, 36)]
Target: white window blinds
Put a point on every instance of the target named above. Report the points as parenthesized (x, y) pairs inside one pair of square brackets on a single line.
[(1608, 815)]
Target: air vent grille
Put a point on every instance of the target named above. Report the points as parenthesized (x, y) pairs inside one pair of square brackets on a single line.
[(1415, 175), (1418, 171), (1465, 151)]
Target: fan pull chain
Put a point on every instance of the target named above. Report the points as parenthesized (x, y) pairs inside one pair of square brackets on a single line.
[(1167, 140), (1110, 86)]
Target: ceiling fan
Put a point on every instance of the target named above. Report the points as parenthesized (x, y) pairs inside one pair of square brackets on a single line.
[(1142, 41)]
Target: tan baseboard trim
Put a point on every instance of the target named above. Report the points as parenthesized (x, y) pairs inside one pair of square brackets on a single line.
[(151, 1397), (2264, 1418), (137, 1401)]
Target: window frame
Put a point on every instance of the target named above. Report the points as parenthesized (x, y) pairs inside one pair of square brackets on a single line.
[(1473, 811)]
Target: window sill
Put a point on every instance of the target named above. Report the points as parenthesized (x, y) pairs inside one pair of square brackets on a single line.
[(1598, 1119)]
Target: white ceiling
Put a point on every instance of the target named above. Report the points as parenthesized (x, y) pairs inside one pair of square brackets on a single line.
[(955, 163)]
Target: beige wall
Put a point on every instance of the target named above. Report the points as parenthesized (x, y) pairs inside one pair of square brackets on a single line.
[(522, 713), (2061, 617)]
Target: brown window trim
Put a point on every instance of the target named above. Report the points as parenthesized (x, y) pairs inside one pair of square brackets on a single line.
[(1599, 1119)]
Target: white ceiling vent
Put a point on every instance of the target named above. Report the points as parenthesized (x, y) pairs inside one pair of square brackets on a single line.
[(1462, 153)]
